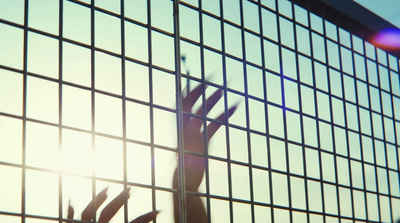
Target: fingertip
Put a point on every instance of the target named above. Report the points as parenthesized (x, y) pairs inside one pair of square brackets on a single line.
[(104, 191), (70, 214), (220, 92), (237, 103), (210, 76), (232, 109), (128, 192)]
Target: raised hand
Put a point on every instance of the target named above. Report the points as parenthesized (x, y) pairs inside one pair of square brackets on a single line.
[(110, 210), (194, 142), (193, 139)]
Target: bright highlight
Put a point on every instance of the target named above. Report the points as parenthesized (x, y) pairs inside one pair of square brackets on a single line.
[(388, 39)]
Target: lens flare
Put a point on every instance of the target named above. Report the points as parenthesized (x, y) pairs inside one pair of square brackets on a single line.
[(387, 39)]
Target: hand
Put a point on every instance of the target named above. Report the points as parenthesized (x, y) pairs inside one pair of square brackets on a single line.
[(110, 210), (193, 140)]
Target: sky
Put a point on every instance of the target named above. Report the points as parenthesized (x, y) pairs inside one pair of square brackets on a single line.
[(387, 9)]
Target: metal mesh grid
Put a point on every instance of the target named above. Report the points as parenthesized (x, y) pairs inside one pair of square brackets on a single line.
[(314, 138)]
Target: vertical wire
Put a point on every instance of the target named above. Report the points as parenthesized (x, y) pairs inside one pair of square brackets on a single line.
[(358, 126), (181, 148), (60, 94), (396, 139), (385, 142), (331, 117), (361, 141), (347, 135), (24, 105), (246, 91), (265, 94), (205, 135), (384, 136), (317, 119), (124, 124), (284, 108), (300, 113), (370, 112), (151, 108), (307, 200), (395, 142), (342, 74), (92, 88), (373, 134), (227, 136)]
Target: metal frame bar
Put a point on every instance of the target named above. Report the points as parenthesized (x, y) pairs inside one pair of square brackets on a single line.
[(179, 107), (60, 100)]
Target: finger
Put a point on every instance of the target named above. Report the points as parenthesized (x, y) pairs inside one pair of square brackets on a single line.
[(188, 102), (70, 214), (214, 126), (112, 208), (210, 103), (151, 216), (87, 214), (187, 88), (191, 98)]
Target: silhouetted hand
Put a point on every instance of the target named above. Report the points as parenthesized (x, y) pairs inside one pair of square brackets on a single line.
[(110, 210), (193, 139), (194, 168)]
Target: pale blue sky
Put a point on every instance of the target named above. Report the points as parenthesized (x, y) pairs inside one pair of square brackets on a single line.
[(387, 9)]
